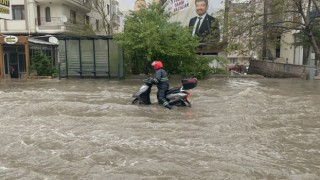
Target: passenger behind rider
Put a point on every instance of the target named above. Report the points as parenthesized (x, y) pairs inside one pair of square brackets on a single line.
[(161, 79)]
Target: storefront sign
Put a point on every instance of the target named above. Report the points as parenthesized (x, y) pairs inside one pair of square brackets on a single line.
[(5, 9), (11, 39)]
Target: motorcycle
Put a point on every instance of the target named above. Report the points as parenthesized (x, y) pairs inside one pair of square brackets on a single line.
[(177, 96)]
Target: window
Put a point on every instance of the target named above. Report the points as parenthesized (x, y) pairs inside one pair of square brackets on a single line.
[(233, 60), (97, 24), (18, 12), (86, 19), (278, 47), (48, 14), (73, 17)]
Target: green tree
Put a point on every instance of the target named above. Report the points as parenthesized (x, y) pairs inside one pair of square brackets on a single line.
[(148, 35), (87, 30), (41, 63)]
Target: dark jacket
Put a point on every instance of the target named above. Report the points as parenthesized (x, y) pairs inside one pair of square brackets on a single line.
[(161, 77), (209, 26), (14, 73)]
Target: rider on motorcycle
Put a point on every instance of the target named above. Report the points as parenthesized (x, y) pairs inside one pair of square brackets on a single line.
[(161, 79)]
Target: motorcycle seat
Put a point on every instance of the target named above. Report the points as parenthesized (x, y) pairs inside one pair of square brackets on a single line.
[(173, 90)]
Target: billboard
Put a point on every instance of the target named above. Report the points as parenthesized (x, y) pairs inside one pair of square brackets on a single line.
[(184, 10), (199, 15), (5, 9)]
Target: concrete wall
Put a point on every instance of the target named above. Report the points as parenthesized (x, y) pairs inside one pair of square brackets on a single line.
[(280, 70)]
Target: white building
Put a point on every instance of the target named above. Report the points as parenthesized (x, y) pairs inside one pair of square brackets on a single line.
[(36, 17), (279, 45), (46, 16), (33, 20), (105, 17)]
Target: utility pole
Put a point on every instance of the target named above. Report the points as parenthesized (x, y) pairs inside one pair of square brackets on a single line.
[(264, 38), (111, 18), (226, 22)]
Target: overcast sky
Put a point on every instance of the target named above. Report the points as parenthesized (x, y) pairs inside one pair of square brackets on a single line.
[(126, 5)]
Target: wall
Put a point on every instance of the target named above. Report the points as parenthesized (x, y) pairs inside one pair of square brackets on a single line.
[(290, 53), (280, 70), (287, 49)]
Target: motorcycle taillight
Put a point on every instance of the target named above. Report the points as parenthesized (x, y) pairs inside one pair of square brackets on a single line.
[(188, 95)]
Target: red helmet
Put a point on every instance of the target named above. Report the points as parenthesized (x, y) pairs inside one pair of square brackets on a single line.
[(157, 65)]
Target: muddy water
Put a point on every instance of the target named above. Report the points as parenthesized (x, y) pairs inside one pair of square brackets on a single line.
[(87, 129)]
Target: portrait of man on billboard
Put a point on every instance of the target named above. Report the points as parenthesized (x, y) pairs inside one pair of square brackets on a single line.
[(204, 25)]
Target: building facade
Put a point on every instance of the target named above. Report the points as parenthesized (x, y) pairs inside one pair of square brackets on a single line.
[(45, 17), (105, 17), (266, 39), (34, 24)]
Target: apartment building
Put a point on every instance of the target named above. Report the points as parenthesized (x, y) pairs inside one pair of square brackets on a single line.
[(110, 22), (276, 44), (32, 19), (46, 17), (298, 54), (35, 21)]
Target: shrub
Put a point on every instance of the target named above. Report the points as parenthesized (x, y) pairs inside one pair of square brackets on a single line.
[(41, 64)]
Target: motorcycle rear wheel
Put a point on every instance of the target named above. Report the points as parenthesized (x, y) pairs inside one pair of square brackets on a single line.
[(187, 103), (183, 103)]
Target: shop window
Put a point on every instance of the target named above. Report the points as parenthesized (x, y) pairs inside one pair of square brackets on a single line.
[(18, 12), (22, 63)]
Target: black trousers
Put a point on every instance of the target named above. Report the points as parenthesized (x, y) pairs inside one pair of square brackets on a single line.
[(161, 94)]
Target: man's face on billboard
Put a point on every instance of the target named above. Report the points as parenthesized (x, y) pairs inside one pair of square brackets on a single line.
[(201, 8)]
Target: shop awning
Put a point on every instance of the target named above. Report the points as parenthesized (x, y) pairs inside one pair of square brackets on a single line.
[(40, 41)]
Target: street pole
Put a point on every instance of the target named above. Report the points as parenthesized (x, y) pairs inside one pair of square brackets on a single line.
[(265, 20), (226, 22), (111, 18)]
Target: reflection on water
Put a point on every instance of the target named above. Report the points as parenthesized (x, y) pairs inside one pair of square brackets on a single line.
[(88, 129)]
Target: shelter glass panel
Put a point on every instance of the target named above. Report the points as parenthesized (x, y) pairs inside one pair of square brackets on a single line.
[(63, 66), (116, 60), (101, 56), (73, 56), (87, 58)]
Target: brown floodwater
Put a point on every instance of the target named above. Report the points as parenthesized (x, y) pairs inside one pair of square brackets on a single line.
[(88, 129)]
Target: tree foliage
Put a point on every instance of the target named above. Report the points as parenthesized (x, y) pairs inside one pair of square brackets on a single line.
[(41, 63), (148, 35), (87, 30)]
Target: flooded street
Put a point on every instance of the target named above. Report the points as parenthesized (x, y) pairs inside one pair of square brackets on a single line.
[(88, 129)]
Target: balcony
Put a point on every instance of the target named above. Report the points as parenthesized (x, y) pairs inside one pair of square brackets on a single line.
[(56, 26), (84, 5)]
